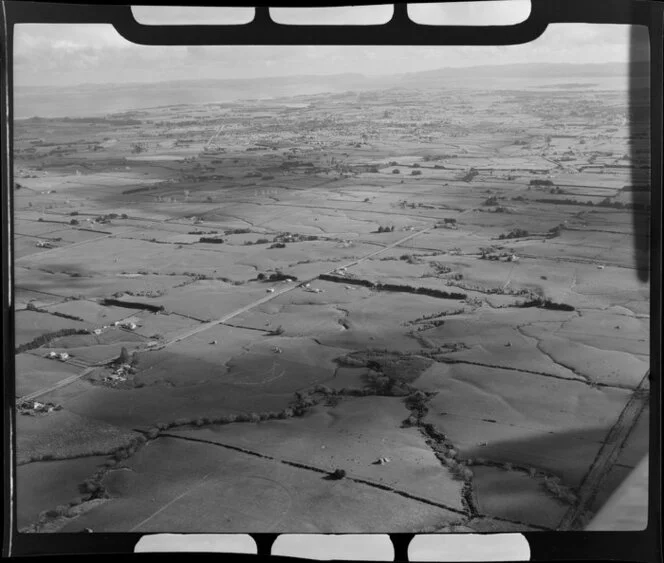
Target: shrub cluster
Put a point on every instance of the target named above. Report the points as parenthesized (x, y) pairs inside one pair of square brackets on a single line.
[(275, 277), (433, 316), (459, 471), (469, 175), (514, 233), (440, 268), (108, 217), (410, 258), (554, 486), (416, 402), (294, 237), (128, 450), (555, 231)]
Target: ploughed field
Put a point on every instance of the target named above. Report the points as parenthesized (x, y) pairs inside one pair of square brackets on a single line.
[(411, 318)]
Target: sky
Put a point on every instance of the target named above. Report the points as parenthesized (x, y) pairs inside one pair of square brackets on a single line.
[(65, 55)]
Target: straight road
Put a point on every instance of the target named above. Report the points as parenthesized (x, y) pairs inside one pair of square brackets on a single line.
[(61, 383), (269, 297), (205, 326), (68, 247)]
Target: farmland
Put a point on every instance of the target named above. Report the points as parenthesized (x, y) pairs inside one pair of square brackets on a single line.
[(397, 310)]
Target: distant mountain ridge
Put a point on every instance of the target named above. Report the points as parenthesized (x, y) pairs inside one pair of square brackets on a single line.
[(546, 70)]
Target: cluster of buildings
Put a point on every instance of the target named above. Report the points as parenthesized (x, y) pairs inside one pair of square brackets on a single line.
[(62, 356)]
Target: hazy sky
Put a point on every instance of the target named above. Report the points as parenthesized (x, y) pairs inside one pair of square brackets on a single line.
[(59, 54)]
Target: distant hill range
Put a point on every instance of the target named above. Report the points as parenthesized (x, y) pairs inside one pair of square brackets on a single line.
[(536, 70), (101, 99)]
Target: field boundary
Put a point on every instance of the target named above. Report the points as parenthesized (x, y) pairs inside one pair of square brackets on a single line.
[(310, 467)]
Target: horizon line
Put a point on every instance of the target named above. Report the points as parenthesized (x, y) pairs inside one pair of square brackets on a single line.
[(318, 75)]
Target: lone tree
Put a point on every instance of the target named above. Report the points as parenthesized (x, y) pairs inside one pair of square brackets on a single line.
[(137, 148), (469, 175), (338, 474), (124, 356)]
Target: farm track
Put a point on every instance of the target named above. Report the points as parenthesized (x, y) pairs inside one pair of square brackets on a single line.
[(68, 247), (58, 385), (588, 261), (41, 292), (169, 503), (46, 236), (608, 454)]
